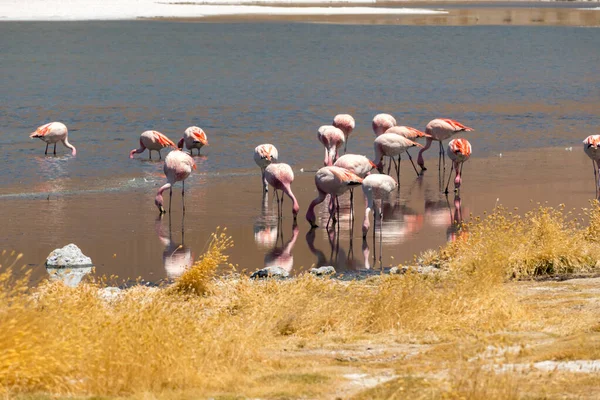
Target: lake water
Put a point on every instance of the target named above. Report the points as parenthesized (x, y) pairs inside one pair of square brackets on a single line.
[(530, 92)]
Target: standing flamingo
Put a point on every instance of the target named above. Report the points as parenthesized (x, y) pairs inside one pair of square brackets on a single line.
[(591, 146), (346, 124), (409, 133), (333, 181), (264, 155), (459, 151), (54, 132), (178, 166), (391, 144), (440, 129), (332, 138), (152, 140), (356, 163), (381, 123), (376, 187), (194, 138), (281, 176)]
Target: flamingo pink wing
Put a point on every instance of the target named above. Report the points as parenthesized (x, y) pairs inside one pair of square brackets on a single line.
[(163, 140), (457, 125)]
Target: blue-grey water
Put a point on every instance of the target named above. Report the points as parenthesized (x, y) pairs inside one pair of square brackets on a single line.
[(522, 88)]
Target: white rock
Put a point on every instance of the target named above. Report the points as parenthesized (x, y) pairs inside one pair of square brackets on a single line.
[(68, 257)]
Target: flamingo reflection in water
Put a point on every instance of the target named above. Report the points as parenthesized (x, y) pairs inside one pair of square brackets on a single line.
[(338, 258), (456, 229), (177, 257), (266, 226), (281, 255)]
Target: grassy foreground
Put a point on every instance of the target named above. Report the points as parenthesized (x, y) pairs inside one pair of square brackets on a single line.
[(472, 331)]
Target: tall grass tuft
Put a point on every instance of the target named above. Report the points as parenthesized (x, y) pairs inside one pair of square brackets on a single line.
[(196, 280), (546, 240)]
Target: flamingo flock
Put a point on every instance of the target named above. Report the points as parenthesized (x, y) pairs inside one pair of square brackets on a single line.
[(340, 173)]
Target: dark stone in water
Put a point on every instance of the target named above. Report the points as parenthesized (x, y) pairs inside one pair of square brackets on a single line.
[(270, 272)]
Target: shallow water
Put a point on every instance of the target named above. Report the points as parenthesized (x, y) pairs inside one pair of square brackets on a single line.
[(528, 91)]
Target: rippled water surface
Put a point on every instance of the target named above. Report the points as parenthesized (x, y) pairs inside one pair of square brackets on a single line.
[(528, 91)]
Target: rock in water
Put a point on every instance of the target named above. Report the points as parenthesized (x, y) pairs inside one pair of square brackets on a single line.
[(270, 272), (68, 257), (321, 271)]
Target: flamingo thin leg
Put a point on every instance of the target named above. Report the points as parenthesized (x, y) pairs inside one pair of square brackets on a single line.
[(47, 152), (183, 195), (411, 161)]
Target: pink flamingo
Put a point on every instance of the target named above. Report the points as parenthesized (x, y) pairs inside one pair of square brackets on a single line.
[(333, 181), (54, 132), (194, 138), (358, 164), (440, 129), (391, 145), (264, 155), (381, 123), (376, 187), (346, 124), (459, 151), (281, 176), (409, 133), (591, 146), (332, 138), (178, 166), (152, 140)]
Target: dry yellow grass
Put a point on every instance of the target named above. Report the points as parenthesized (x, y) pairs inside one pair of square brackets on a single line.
[(440, 336)]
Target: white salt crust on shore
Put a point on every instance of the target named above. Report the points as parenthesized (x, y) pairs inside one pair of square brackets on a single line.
[(85, 10)]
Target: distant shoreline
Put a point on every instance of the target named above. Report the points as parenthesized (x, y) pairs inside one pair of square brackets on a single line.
[(419, 12)]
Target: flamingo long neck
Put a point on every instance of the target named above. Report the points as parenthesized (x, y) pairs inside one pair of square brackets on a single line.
[(140, 150), (159, 198), (180, 143), (70, 146), (458, 179), (310, 213), (420, 160), (295, 207), (332, 155)]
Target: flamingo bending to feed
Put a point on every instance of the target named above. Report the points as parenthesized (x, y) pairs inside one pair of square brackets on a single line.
[(346, 124), (193, 138), (332, 138), (376, 187), (381, 123), (440, 129), (591, 146), (178, 166), (53, 133), (358, 164), (152, 140), (264, 155), (333, 181), (281, 176), (409, 133), (391, 144), (459, 151)]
